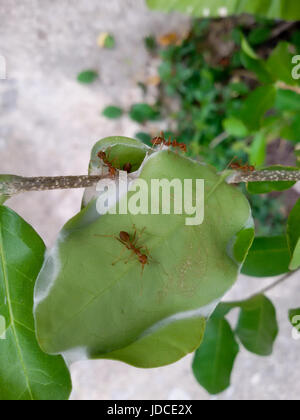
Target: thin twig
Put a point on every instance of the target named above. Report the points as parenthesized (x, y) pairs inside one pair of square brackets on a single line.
[(15, 184), (277, 283), (20, 184), (264, 176)]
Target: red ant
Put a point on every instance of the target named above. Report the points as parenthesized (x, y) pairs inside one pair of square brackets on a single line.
[(161, 140), (127, 167), (131, 244), (239, 166), (112, 171)]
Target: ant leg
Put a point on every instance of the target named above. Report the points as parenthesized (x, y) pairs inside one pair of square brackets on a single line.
[(119, 258), (105, 236)]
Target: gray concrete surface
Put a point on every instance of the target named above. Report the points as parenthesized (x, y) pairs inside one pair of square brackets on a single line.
[(48, 123)]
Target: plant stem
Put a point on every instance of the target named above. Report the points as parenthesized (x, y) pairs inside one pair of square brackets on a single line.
[(15, 184), (277, 283), (20, 184), (264, 176)]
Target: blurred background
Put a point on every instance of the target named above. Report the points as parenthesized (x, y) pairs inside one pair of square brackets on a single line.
[(81, 71)]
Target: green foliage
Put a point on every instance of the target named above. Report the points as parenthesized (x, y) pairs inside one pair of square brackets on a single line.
[(214, 360), (293, 234), (112, 112), (109, 41), (119, 313), (26, 373), (268, 256), (256, 105), (273, 9), (258, 151), (294, 317), (256, 329), (87, 76), (257, 326), (143, 112)]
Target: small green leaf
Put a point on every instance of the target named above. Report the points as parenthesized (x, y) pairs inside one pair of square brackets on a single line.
[(257, 66), (143, 112), (87, 77), (294, 317), (214, 360), (279, 64), (257, 325), (109, 42), (26, 373), (150, 43), (293, 234), (243, 243), (235, 127), (292, 313), (269, 186), (268, 256), (287, 100), (144, 137), (112, 112), (259, 35), (248, 49), (258, 150), (256, 105)]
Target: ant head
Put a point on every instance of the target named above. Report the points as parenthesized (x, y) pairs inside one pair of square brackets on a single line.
[(127, 167), (124, 236), (143, 259), (102, 155)]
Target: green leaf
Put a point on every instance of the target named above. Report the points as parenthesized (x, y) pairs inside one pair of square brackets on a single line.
[(271, 9), (117, 311), (257, 325), (293, 235), (268, 256), (294, 317), (292, 314), (243, 244), (287, 100), (150, 43), (144, 137), (248, 49), (258, 150), (26, 373), (87, 77), (259, 35), (258, 66), (214, 360), (269, 186), (109, 41), (256, 105), (112, 112), (279, 64), (143, 112), (235, 127)]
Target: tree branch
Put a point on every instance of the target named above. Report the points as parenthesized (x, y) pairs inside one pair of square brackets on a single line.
[(264, 176), (17, 184), (11, 185)]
